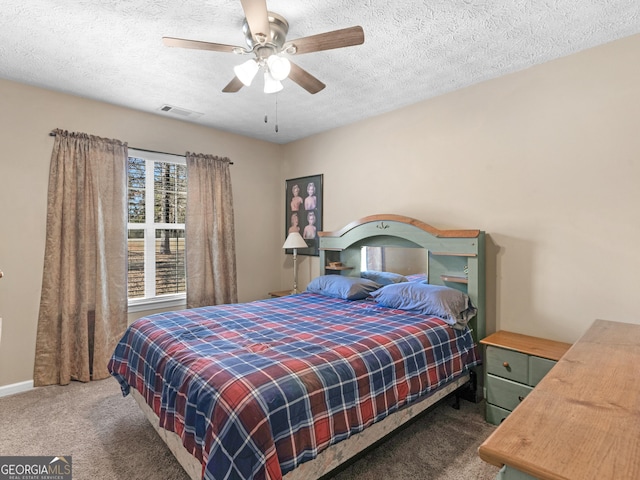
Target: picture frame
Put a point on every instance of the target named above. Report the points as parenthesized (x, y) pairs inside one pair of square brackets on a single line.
[(303, 211)]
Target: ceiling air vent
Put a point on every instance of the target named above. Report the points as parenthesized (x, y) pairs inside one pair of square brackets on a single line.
[(180, 112)]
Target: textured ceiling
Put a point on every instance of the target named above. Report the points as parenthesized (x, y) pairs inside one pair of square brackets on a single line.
[(112, 51)]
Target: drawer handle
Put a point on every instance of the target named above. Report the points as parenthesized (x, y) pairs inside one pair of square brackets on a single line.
[(520, 397), (507, 366)]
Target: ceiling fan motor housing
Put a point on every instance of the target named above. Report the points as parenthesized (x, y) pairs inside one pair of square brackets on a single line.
[(265, 47)]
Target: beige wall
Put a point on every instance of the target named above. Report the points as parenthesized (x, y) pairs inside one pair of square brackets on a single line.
[(546, 161), (28, 115)]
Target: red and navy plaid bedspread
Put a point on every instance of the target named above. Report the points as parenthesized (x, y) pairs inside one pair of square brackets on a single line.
[(255, 389)]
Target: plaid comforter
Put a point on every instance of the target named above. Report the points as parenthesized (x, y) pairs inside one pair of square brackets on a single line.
[(255, 389)]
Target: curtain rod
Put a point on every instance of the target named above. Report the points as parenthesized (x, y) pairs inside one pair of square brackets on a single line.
[(53, 134)]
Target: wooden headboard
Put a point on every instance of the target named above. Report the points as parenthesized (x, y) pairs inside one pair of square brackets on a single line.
[(456, 258)]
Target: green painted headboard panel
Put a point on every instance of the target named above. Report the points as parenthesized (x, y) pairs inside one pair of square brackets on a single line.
[(456, 257)]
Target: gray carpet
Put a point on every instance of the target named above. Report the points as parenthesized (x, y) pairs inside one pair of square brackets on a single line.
[(109, 438)]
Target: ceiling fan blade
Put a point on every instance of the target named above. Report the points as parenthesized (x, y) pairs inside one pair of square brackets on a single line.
[(183, 43), (303, 78), (346, 37), (257, 17), (233, 86)]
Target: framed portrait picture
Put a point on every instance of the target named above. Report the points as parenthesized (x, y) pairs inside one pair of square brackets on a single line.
[(303, 207)]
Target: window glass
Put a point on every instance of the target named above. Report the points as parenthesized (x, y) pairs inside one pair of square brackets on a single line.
[(157, 195), (170, 271), (136, 190), (170, 192), (135, 278)]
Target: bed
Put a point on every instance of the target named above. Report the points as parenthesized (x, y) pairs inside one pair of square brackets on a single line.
[(291, 387)]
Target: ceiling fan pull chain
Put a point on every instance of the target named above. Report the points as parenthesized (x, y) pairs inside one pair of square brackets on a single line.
[(266, 109), (276, 113)]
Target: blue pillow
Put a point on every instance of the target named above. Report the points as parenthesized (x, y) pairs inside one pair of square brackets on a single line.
[(453, 306), (338, 286), (383, 278), (418, 277)]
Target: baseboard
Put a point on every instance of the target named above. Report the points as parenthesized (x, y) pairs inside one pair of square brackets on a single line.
[(15, 388)]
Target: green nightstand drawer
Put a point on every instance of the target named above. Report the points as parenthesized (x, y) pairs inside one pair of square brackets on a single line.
[(495, 415), (538, 368), (508, 364), (505, 393)]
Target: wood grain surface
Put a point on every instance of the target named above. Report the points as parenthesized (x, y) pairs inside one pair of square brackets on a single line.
[(582, 421), (540, 347)]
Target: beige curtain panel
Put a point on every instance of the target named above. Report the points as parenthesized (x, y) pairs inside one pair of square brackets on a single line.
[(83, 305), (209, 232)]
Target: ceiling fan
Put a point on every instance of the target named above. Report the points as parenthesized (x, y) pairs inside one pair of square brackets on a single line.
[(265, 34)]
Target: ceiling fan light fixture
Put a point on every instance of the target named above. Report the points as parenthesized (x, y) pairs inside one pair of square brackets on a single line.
[(271, 85), (246, 71), (279, 67)]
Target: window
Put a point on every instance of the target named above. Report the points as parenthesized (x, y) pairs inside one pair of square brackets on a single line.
[(157, 196)]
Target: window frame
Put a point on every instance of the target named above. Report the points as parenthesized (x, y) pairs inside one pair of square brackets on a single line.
[(161, 301)]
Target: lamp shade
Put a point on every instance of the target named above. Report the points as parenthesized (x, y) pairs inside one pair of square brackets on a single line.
[(246, 71), (279, 67), (271, 85), (294, 240)]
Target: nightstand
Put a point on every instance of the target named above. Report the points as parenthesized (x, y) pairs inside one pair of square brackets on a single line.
[(281, 293), (513, 365)]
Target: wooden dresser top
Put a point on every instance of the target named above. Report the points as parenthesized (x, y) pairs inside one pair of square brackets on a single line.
[(539, 347), (582, 421)]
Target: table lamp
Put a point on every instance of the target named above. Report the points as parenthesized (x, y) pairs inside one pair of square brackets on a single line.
[(295, 241)]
